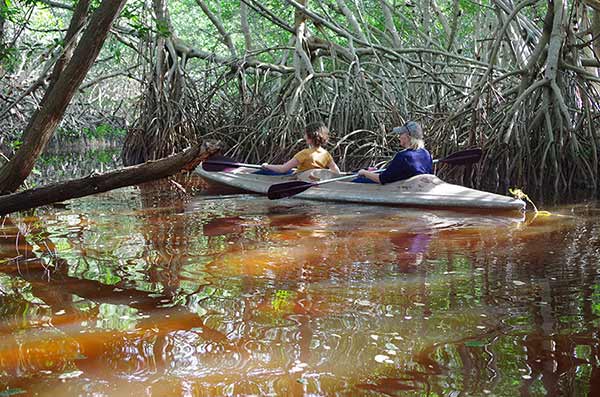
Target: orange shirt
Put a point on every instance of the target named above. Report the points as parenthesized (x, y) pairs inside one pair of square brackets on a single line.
[(313, 158)]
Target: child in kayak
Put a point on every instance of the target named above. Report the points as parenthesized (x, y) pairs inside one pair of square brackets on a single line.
[(413, 160), (315, 156)]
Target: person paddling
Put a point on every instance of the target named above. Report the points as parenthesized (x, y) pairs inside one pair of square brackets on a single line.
[(315, 156), (413, 160)]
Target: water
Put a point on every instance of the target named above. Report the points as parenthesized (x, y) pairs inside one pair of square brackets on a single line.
[(137, 292), (69, 161)]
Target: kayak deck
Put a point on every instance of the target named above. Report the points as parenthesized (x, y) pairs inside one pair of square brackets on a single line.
[(420, 190)]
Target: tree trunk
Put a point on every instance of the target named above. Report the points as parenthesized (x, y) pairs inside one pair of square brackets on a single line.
[(1, 33), (93, 184), (2, 49), (45, 120), (389, 24), (75, 25), (245, 27)]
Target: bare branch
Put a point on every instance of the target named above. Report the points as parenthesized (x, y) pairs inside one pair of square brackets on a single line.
[(244, 26), (219, 25)]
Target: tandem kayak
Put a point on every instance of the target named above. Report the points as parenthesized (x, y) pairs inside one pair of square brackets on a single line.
[(421, 190)]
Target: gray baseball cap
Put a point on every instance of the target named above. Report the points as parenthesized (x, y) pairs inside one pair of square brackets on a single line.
[(411, 128)]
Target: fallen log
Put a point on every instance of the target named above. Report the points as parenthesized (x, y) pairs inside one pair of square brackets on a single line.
[(98, 183)]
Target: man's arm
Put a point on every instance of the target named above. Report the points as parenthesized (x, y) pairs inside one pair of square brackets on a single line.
[(370, 175)]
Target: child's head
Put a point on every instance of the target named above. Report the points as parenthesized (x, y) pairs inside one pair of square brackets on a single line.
[(318, 134)]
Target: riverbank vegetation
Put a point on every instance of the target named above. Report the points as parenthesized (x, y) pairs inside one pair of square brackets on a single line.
[(519, 80)]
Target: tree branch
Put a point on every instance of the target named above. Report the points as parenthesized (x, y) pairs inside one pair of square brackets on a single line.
[(93, 184)]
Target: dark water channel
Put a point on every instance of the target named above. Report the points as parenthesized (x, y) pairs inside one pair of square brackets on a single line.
[(137, 292)]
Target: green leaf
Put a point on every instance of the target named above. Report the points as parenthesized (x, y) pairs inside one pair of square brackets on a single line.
[(474, 343), (16, 144)]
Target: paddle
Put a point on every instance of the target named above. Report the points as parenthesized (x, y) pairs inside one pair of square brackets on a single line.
[(288, 189), (221, 163), (464, 157)]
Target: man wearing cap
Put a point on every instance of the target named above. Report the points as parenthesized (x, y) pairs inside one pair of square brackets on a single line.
[(413, 160)]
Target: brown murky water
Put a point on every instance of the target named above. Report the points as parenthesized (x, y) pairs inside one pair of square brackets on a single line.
[(135, 293)]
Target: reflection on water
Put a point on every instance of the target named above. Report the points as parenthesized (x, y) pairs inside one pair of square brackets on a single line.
[(139, 293), (60, 166)]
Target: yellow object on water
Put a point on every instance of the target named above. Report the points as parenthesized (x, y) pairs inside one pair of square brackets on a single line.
[(544, 213), (518, 193), (281, 300)]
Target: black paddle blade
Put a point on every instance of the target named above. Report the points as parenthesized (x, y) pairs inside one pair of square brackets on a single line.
[(287, 189), (463, 157), (219, 163)]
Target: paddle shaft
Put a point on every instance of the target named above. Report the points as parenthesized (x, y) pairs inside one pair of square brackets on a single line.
[(232, 164), (464, 157), (343, 178)]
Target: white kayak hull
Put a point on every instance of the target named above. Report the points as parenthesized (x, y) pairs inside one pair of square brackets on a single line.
[(420, 190)]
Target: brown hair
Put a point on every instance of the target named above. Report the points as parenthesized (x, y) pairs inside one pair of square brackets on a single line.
[(318, 133)]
